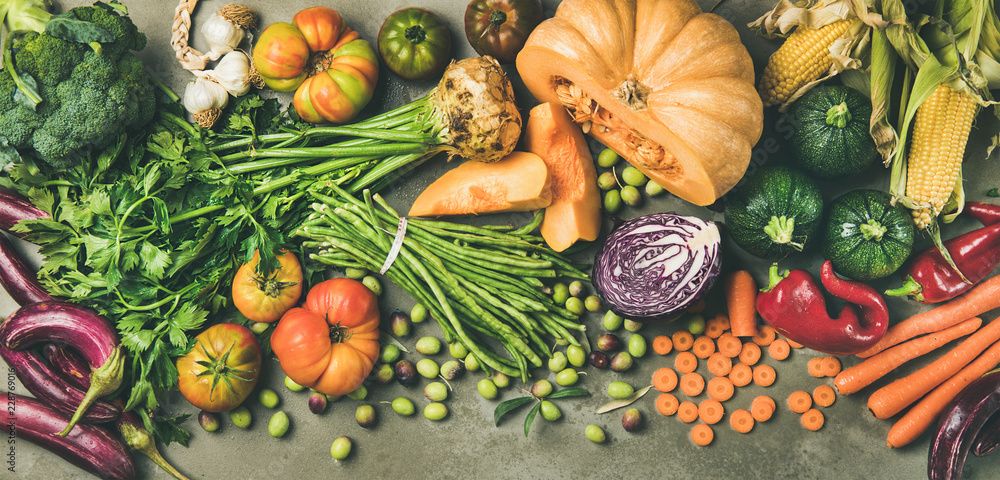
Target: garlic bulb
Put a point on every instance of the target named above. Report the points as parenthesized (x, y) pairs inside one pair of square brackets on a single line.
[(222, 35), (205, 99), (232, 72)]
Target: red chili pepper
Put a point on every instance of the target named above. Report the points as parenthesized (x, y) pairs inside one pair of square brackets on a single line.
[(794, 305), (986, 213), (928, 278)]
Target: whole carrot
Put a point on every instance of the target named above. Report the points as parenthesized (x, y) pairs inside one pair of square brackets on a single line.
[(894, 397), (875, 367), (919, 418), (741, 301), (981, 298)]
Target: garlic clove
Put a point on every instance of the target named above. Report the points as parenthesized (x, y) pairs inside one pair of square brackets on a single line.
[(222, 35), (233, 72), (205, 99)]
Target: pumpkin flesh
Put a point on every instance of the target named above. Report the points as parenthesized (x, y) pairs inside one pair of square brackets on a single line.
[(666, 86)]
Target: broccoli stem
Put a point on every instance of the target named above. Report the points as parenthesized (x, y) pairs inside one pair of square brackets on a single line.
[(23, 87)]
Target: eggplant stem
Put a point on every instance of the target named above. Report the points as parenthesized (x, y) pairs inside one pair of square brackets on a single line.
[(104, 380), (141, 441)]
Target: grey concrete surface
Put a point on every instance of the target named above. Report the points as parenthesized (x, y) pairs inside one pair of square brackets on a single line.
[(467, 444)]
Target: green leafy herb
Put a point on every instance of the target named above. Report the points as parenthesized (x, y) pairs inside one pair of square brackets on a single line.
[(507, 406)]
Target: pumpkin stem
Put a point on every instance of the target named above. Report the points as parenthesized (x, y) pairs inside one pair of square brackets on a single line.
[(838, 115), (872, 230), (633, 93), (780, 230)]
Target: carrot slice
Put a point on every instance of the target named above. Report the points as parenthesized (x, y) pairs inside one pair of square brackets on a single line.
[(665, 379), (764, 375), (687, 411), (662, 345), (710, 411), (812, 419), (682, 340), (799, 401), (830, 366), (716, 326), (719, 364), (779, 349), (824, 395), (729, 344), (741, 420), (765, 335), (762, 407), (667, 404), (721, 388), (741, 375), (692, 384), (793, 343), (702, 434), (815, 367), (685, 362), (703, 347), (750, 353)]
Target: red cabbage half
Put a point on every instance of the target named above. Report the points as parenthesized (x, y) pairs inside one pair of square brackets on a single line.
[(656, 266)]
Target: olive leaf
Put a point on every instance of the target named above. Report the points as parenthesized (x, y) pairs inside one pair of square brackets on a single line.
[(569, 392), (508, 406), (528, 420), (614, 405)]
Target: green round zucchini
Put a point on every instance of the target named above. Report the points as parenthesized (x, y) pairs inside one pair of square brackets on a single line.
[(865, 236), (830, 139)]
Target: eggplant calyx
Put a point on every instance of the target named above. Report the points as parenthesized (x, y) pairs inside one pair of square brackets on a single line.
[(140, 440), (104, 380)]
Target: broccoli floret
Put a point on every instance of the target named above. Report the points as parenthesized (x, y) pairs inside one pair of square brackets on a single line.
[(90, 94)]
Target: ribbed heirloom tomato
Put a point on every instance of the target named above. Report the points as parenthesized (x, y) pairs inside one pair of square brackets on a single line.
[(266, 298), (329, 67), (330, 344), (221, 369)]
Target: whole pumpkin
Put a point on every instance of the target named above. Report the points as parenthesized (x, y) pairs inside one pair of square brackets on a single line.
[(329, 67), (330, 343), (668, 87)]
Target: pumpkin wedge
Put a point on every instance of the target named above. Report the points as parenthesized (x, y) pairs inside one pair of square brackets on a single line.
[(575, 212), (519, 182), (668, 87)]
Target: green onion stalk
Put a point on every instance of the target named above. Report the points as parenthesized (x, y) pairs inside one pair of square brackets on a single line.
[(483, 285)]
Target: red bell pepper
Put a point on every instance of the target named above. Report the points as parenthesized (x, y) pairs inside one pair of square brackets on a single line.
[(794, 305), (928, 278), (986, 213)]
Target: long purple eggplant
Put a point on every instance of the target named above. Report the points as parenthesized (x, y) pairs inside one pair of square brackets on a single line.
[(67, 365), (40, 380), (961, 421), (14, 208), (19, 279), (90, 447), (988, 438), (85, 331)]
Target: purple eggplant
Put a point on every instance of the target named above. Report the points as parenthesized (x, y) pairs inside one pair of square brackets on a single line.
[(988, 438), (961, 421), (85, 331), (14, 208), (20, 280), (90, 447), (137, 437), (68, 365), (40, 380)]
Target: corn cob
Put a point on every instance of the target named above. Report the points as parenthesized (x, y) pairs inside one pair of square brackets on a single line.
[(940, 131), (802, 58)]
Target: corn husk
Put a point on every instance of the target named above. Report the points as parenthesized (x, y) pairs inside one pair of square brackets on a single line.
[(848, 53)]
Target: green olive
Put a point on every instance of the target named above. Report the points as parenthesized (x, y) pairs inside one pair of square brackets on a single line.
[(428, 368), (390, 353), (574, 305), (631, 196), (550, 411), (653, 189), (277, 427), (341, 448), (268, 398), (566, 377), (471, 362), (576, 288), (632, 176), (632, 325), (359, 393), (365, 415), (608, 158), (457, 350), (696, 324), (403, 406), (592, 303), (560, 293), (595, 434), (435, 411), (557, 361), (637, 345), (418, 313), (612, 201), (373, 284), (620, 390), (576, 355), (240, 416), (613, 321), (542, 388), (259, 327), (500, 379), (607, 181), (291, 385), (436, 392), (428, 345), (355, 273), (487, 389)]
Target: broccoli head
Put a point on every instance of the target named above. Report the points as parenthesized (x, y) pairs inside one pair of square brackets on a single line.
[(90, 93)]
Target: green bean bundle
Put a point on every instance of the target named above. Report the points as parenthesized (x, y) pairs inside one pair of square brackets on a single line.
[(483, 285)]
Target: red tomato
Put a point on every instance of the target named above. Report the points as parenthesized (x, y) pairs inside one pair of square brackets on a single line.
[(266, 299), (330, 344), (329, 67), (221, 369)]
